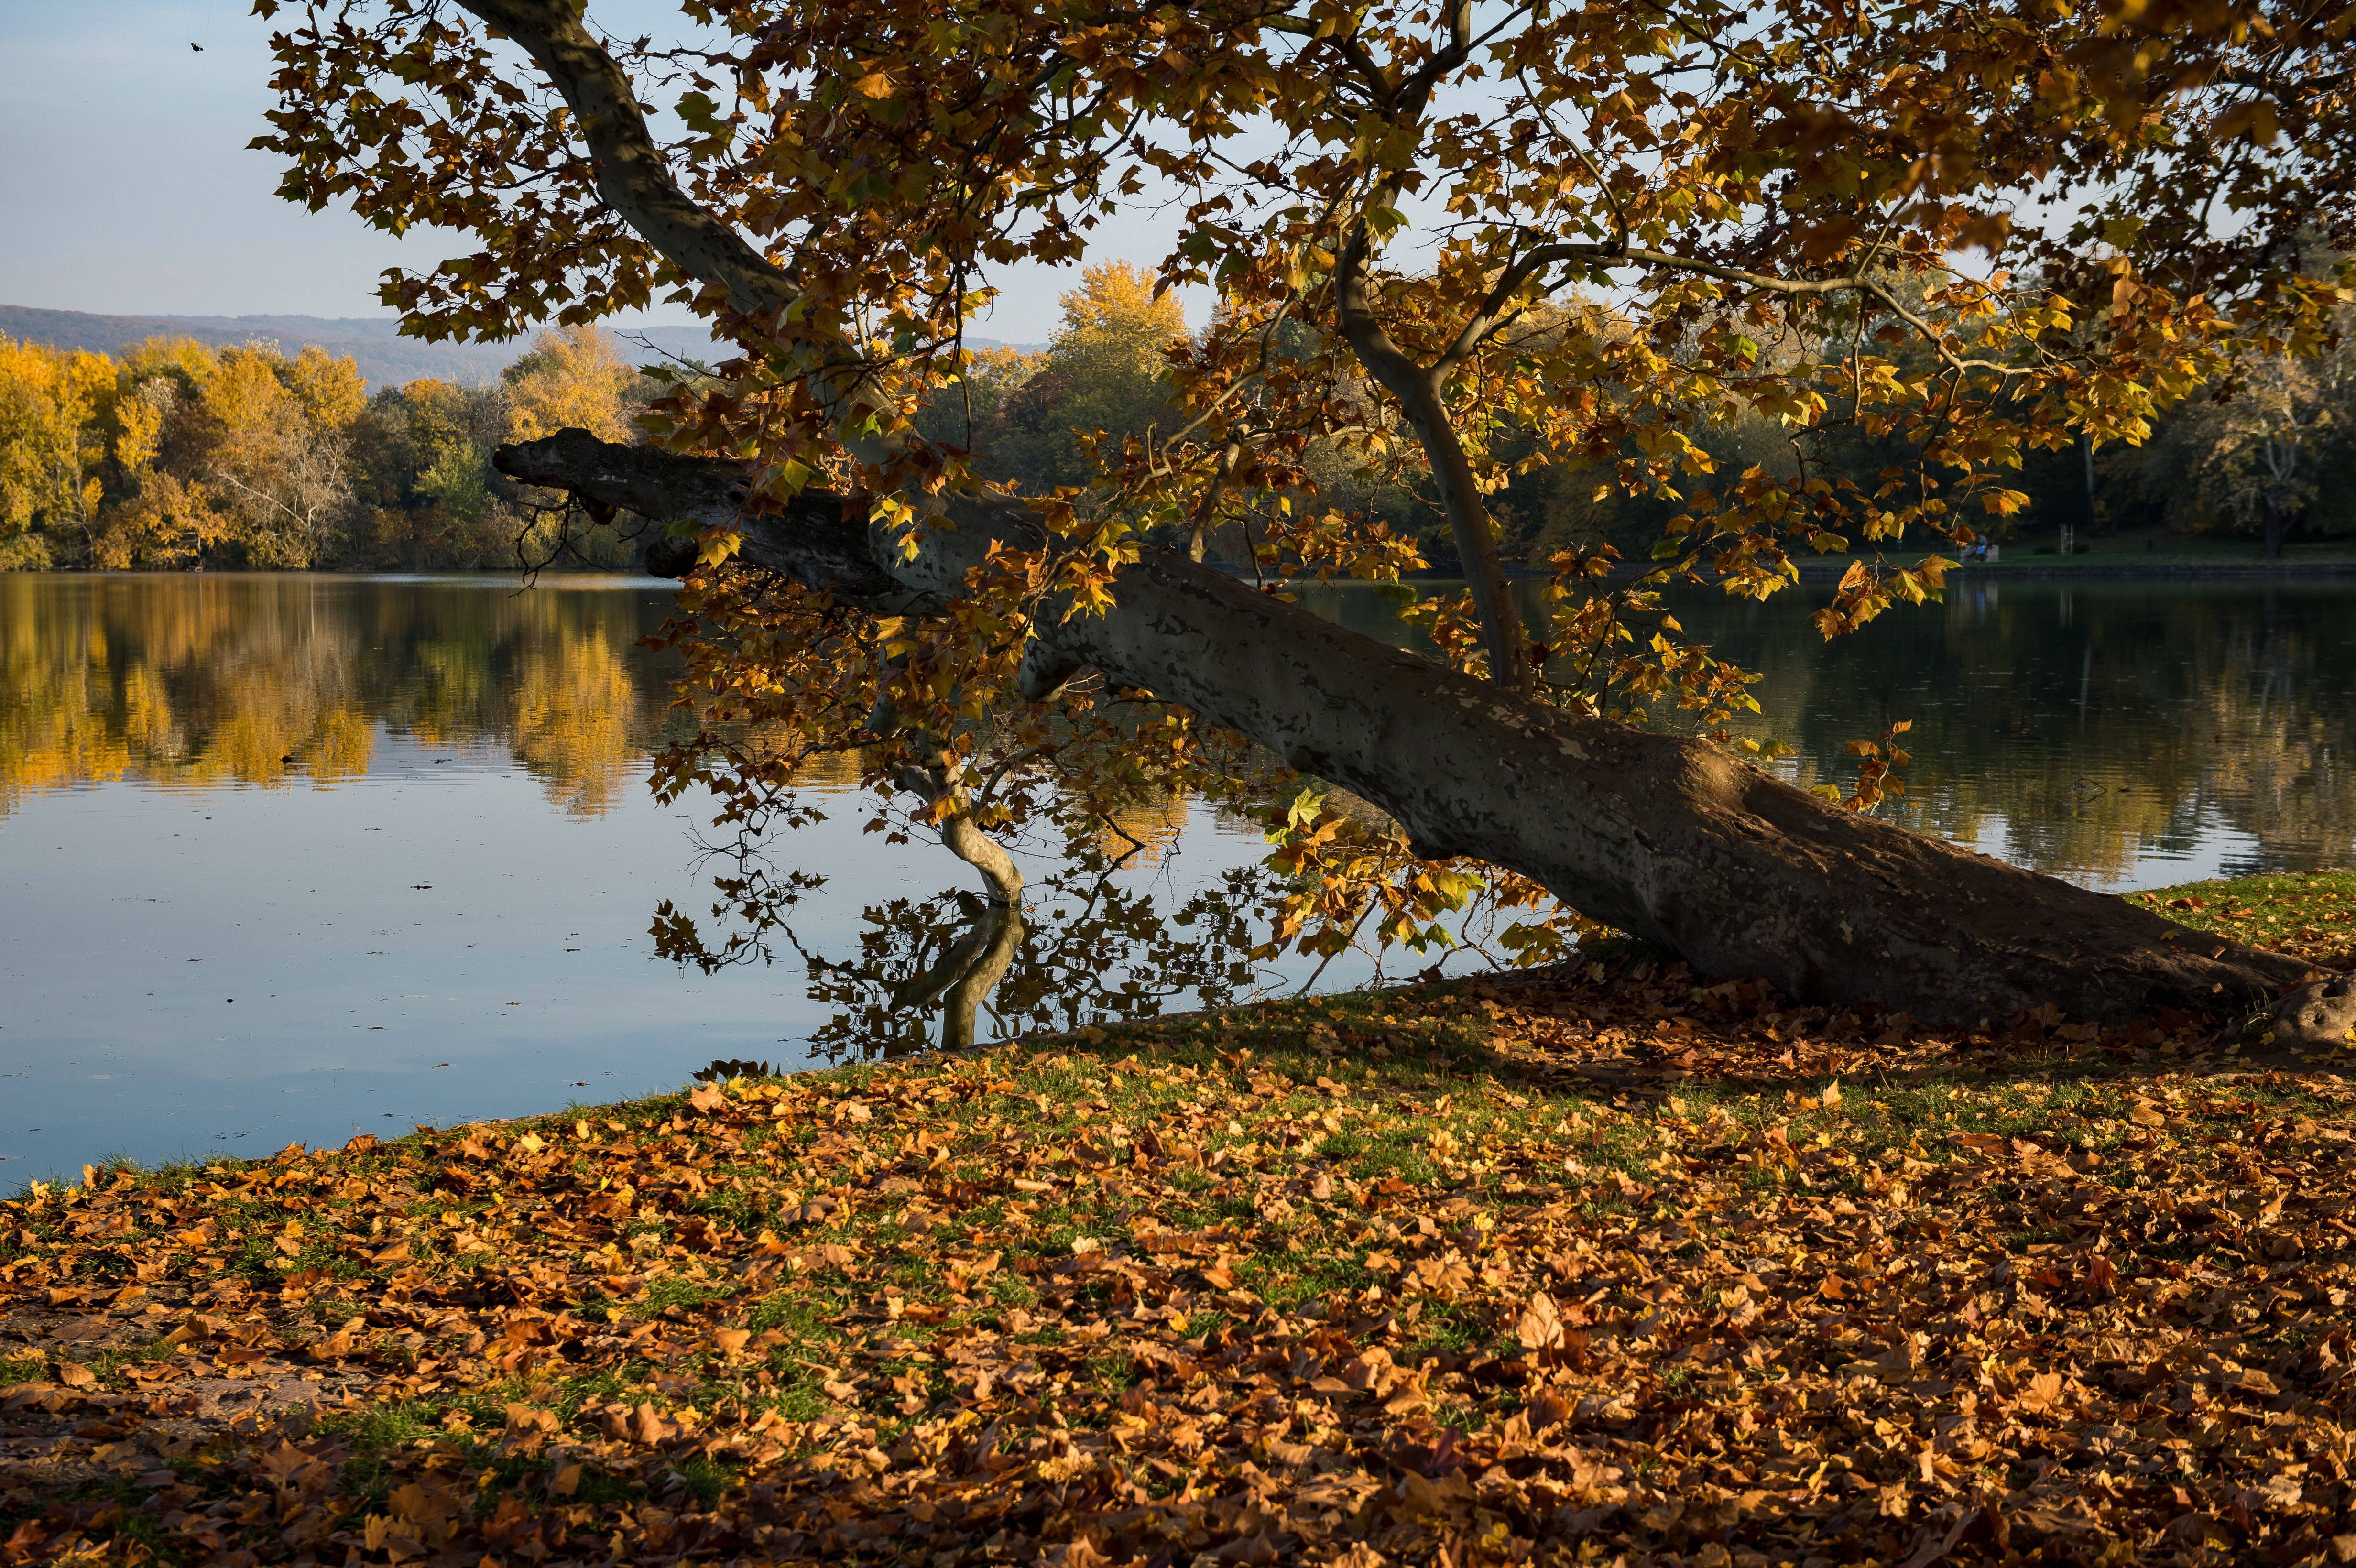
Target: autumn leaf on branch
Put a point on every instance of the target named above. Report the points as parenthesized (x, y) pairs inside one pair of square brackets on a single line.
[(1575, 242)]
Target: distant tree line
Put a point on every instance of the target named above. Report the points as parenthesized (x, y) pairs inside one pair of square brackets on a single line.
[(2272, 458), (174, 455)]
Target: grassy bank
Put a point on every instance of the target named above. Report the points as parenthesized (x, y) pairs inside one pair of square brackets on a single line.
[(1583, 1267)]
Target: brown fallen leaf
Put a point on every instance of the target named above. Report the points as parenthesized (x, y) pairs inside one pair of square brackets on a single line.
[(2040, 1393), (529, 1429), (1540, 1324), (922, 1310)]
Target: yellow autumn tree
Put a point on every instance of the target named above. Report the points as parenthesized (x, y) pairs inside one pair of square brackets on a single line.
[(574, 378), (52, 407), (1114, 327), (273, 431), (157, 516), (184, 362), (240, 450), (1103, 372)]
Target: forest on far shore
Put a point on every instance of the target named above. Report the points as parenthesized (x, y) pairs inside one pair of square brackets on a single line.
[(174, 455)]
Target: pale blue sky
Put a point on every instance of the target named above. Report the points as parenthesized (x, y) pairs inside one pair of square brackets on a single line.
[(124, 177), (127, 188)]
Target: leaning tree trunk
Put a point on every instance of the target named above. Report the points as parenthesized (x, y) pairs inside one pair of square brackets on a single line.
[(1671, 838)]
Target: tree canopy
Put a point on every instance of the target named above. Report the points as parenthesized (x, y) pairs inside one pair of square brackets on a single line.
[(1451, 245)]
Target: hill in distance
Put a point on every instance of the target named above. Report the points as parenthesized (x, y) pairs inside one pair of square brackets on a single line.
[(385, 358)]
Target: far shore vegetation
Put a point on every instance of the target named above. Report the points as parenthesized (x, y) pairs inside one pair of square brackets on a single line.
[(174, 455), (1348, 1279), (178, 457)]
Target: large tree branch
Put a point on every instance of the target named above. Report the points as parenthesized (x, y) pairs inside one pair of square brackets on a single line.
[(1664, 836), (636, 181), (632, 174), (1418, 390), (821, 540)]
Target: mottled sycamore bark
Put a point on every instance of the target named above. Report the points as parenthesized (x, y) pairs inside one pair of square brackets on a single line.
[(1670, 839)]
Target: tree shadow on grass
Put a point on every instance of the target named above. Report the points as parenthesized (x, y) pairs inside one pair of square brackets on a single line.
[(1636, 1030)]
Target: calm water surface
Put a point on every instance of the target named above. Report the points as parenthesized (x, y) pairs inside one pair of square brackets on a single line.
[(2120, 734), (295, 856)]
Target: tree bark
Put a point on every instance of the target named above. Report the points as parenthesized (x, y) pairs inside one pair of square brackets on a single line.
[(1670, 839), (1418, 389)]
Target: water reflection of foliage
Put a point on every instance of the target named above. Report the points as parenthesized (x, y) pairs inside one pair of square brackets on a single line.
[(1095, 950), (260, 680), (2081, 727), (570, 710), (2078, 726)]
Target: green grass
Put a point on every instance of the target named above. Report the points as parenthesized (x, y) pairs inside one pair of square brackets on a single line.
[(2253, 908), (666, 1293)]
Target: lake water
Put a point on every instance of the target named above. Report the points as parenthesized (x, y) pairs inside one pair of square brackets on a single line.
[(296, 856), (2120, 734)]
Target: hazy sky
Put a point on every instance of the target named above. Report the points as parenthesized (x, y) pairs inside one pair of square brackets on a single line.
[(125, 179), (127, 188)]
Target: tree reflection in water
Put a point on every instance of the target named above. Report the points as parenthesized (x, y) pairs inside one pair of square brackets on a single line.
[(2083, 728), (929, 972), (2120, 734), (273, 680)]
